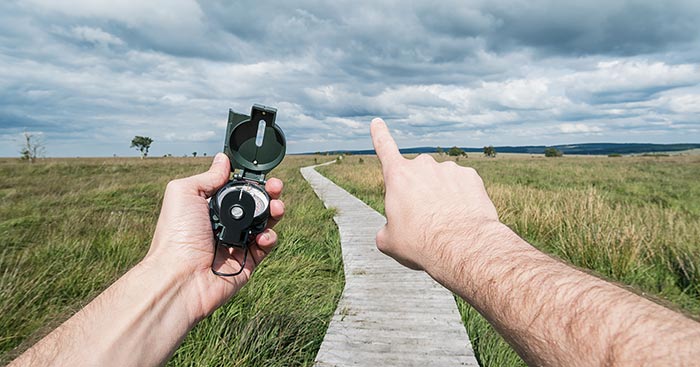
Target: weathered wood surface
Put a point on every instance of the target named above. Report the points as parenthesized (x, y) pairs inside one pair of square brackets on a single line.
[(388, 315)]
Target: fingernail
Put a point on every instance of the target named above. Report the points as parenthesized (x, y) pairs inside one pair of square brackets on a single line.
[(266, 234)]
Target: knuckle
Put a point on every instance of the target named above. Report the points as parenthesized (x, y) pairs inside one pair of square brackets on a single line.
[(174, 185), (381, 240)]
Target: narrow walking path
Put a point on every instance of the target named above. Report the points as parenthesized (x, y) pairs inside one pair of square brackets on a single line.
[(388, 315)]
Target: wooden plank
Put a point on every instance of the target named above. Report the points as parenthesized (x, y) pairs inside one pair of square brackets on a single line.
[(388, 315)]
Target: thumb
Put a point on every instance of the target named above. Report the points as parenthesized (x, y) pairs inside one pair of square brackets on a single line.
[(382, 240), (217, 175)]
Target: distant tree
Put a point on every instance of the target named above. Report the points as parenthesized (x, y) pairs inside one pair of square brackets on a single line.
[(142, 143), (32, 148), (489, 151), (552, 152), (455, 152), (194, 154), (440, 151), (204, 154)]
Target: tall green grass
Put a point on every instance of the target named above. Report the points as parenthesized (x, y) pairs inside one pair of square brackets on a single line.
[(70, 227), (634, 220)]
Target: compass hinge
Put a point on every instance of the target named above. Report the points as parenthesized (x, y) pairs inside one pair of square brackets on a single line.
[(250, 176)]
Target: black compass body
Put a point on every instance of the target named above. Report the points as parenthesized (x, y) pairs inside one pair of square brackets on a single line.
[(255, 145)]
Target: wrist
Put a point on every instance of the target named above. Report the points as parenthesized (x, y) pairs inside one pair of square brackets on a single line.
[(173, 279), (464, 249)]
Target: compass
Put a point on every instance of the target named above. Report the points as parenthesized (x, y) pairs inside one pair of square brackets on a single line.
[(240, 209)]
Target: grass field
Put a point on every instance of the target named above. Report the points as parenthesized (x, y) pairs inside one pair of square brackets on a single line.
[(635, 220), (70, 227)]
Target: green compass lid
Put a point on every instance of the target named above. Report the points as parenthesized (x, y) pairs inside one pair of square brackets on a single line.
[(254, 144)]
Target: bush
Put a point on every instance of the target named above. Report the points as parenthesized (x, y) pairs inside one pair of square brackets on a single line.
[(455, 152), (552, 152)]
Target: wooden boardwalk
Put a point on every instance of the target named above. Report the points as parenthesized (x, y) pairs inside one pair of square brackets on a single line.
[(388, 315)]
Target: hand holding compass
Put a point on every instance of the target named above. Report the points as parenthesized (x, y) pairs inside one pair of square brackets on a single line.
[(241, 208)]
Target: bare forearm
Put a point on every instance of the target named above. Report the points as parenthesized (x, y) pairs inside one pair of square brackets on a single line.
[(139, 320), (553, 314)]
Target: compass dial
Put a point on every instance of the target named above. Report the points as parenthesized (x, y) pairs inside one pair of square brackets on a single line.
[(261, 199)]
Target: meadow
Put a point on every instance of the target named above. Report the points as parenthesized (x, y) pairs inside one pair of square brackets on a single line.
[(633, 220), (70, 227)]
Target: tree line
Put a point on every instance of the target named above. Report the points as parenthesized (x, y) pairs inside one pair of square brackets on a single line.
[(490, 151)]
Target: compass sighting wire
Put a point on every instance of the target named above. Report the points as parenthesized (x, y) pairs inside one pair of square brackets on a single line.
[(216, 251)]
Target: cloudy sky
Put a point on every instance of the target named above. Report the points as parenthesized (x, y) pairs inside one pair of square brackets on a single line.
[(87, 76)]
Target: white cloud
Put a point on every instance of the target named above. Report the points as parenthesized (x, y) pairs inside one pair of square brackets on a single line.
[(95, 35), (620, 76), (445, 74), (578, 128), (169, 14), (192, 136), (684, 103)]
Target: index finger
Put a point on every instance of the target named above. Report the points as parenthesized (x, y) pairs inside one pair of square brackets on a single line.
[(384, 144)]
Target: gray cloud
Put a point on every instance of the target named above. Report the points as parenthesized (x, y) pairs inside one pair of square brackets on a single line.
[(92, 74)]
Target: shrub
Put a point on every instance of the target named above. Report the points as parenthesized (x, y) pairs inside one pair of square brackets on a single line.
[(455, 152), (552, 152)]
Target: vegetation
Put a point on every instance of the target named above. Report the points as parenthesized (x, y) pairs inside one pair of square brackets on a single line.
[(552, 152), (65, 240), (142, 143), (489, 151), (32, 149), (633, 220), (456, 152)]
